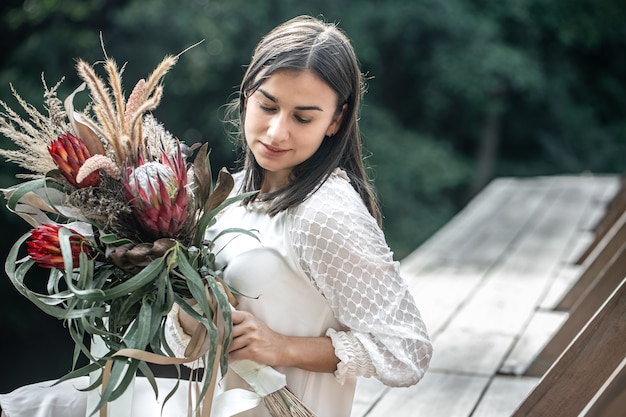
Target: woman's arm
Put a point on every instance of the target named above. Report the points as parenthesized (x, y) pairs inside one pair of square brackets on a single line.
[(344, 252), (254, 340)]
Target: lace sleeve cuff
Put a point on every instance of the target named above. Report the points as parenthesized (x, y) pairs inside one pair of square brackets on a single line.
[(176, 337), (353, 358)]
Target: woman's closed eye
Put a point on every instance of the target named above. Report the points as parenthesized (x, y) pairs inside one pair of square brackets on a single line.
[(271, 109), (301, 119), (267, 108)]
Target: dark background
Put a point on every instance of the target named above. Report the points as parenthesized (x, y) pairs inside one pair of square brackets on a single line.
[(459, 92)]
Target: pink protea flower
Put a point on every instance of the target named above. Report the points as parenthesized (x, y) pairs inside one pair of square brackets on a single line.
[(157, 191), (69, 153), (43, 246)]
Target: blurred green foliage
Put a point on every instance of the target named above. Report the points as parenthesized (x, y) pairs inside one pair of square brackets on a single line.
[(459, 91)]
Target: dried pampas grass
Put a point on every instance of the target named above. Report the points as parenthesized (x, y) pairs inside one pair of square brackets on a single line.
[(33, 135), (284, 403), (117, 120)]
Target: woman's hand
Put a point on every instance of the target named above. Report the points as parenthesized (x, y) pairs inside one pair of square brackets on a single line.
[(254, 340)]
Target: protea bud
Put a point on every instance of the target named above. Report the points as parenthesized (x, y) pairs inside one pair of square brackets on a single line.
[(69, 153), (133, 258), (44, 248), (157, 192)]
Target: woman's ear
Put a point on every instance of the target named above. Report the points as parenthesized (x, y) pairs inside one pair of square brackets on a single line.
[(336, 122)]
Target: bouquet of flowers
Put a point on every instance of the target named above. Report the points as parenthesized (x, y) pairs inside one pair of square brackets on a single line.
[(119, 218)]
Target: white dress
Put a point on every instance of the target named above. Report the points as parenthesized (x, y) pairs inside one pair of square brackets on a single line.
[(323, 268)]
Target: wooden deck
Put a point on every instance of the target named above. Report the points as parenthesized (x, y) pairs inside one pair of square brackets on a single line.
[(487, 284)]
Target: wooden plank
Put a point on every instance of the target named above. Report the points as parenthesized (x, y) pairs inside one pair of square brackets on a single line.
[(483, 330), (557, 223), (596, 262), (579, 244), (474, 214), (470, 351), (540, 329), (599, 191), (610, 400), (485, 222), (503, 304), (607, 187), (368, 392), (432, 294), (514, 287), (585, 365), (602, 190), (481, 232), (503, 396), (564, 279), (437, 395), (500, 231), (614, 208)]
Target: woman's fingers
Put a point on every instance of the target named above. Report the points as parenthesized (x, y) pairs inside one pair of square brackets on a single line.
[(253, 339)]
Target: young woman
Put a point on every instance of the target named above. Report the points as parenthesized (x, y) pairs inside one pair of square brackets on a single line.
[(323, 302), (326, 303)]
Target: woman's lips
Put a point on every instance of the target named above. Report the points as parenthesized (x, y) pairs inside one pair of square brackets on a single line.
[(272, 150)]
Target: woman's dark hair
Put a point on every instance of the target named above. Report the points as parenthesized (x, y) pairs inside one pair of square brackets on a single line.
[(308, 44)]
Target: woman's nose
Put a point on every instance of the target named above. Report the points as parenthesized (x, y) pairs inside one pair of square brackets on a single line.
[(278, 129)]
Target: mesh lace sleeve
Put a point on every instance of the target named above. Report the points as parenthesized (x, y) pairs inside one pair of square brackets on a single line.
[(345, 253)]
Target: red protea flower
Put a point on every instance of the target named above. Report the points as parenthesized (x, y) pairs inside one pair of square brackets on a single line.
[(157, 191), (70, 153), (43, 246)]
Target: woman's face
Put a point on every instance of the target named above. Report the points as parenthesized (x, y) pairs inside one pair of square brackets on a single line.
[(286, 120)]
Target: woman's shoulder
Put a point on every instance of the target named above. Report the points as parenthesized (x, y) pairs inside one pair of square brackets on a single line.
[(238, 182), (238, 177), (335, 196)]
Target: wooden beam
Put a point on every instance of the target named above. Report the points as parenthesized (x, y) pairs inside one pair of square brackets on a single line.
[(602, 255), (614, 210), (578, 374), (611, 399)]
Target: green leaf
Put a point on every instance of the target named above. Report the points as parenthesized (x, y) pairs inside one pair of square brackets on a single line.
[(122, 374), (111, 239), (27, 187), (139, 332), (84, 371), (225, 309), (136, 282), (198, 291), (248, 232), (208, 216)]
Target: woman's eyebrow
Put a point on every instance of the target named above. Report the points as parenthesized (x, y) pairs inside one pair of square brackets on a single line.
[(275, 100)]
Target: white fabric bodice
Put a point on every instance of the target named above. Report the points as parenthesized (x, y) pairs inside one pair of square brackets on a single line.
[(324, 268), (277, 291)]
